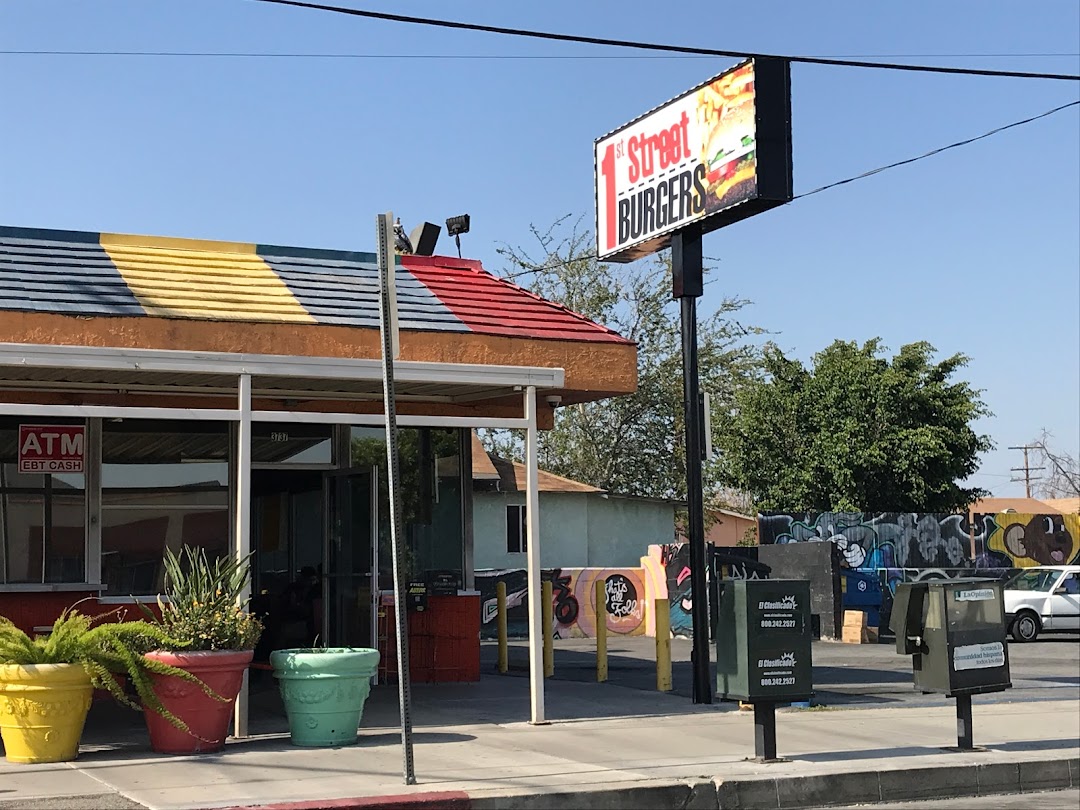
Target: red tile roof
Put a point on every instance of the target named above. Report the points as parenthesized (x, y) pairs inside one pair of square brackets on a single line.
[(495, 306)]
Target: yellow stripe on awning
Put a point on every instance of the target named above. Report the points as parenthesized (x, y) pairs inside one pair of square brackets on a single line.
[(187, 278)]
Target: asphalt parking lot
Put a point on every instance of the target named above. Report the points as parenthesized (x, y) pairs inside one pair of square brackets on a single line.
[(845, 675)]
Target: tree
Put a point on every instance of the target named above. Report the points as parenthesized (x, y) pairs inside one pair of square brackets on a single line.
[(1060, 476), (856, 432), (631, 445)]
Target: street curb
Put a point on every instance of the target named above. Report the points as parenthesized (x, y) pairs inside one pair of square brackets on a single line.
[(445, 800), (795, 792), (896, 785)]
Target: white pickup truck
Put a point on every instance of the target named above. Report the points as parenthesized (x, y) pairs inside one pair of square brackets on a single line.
[(1045, 599)]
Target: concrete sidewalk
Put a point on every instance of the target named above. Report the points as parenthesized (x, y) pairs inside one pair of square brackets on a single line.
[(607, 747)]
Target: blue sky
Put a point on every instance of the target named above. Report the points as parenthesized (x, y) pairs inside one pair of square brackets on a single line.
[(976, 250)]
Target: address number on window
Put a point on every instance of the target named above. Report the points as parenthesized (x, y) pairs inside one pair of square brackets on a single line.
[(279, 436)]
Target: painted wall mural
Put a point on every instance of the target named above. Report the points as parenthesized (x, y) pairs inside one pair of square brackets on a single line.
[(1014, 540), (883, 540), (667, 574), (911, 547), (572, 601)]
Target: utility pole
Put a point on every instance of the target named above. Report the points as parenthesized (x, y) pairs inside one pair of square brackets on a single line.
[(1027, 469)]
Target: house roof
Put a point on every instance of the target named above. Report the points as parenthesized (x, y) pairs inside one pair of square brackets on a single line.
[(1025, 506), (733, 514), (482, 468), (102, 274), (1067, 506), (511, 475)]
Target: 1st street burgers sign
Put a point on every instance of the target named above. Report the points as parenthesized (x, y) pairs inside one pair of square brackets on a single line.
[(717, 154)]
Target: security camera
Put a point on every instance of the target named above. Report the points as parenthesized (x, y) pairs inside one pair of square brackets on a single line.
[(553, 401)]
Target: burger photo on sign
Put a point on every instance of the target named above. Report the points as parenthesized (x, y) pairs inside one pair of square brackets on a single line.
[(725, 117)]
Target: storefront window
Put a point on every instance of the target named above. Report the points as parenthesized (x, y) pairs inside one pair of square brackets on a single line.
[(292, 443), (42, 519), (431, 491), (164, 485)]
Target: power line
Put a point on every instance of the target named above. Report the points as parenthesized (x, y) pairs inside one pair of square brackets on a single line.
[(652, 46), (480, 56), (938, 151), (863, 175)]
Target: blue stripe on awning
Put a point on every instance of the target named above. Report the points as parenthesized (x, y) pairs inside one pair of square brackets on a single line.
[(342, 288), (60, 271)]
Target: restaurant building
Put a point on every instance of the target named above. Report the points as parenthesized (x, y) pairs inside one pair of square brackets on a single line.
[(156, 392)]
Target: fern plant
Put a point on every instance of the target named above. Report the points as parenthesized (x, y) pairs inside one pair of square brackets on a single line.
[(204, 610), (104, 650)]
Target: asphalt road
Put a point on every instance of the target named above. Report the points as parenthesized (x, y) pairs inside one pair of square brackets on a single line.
[(845, 675)]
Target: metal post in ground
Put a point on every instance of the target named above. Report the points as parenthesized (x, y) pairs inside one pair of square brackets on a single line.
[(765, 731), (388, 331), (532, 553), (964, 735), (601, 632), (687, 286), (500, 596), (549, 647), (662, 610)]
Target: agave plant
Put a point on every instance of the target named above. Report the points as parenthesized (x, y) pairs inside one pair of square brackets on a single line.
[(104, 650), (205, 610)]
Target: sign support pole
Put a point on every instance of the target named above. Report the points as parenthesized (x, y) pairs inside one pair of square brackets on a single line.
[(765, 731), (964, 738), (687, 285), (388, 328)]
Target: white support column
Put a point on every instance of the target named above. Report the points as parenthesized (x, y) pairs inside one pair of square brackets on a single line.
[(532, 545), (243, 524)]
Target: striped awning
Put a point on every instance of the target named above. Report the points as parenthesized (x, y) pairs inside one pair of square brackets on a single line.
[(104, 274)]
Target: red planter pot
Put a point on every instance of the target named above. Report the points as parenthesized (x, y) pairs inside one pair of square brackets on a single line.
[(208, 719)]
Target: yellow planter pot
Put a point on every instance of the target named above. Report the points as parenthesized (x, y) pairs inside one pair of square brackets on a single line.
[(42, 711)]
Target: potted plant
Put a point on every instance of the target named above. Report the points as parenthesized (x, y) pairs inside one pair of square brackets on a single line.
[(324, 691), (46, 682), (217, 638)]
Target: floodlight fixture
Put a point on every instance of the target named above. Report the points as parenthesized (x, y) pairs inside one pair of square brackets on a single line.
[(455, 226)]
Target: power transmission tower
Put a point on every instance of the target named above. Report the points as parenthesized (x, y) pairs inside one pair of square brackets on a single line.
[(1027, 469)]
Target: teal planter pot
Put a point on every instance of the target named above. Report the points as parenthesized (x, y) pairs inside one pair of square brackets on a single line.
[(324, 692)]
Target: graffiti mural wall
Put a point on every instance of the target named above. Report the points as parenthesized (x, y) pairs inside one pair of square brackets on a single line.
[(900, 547), (1012, 540), (883, 540), (572, 601), (667, 572)]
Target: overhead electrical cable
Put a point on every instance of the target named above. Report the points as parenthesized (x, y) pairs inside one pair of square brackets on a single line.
[(937, 151), (496, 56), (870, 173), (652, 46)]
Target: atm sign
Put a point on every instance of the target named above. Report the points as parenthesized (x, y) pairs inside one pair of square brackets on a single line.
[(51, 448)]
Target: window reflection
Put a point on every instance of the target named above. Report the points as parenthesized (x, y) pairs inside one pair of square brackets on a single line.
[(431, 492), (293, 443), (164, 485), (42, 518)]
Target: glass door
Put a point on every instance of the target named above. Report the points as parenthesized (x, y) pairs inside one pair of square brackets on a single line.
[(350, 555)]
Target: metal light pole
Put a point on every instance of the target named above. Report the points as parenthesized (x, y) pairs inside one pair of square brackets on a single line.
[(688, 286)]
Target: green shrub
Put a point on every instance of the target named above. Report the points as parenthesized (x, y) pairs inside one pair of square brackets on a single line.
[(105, 650)]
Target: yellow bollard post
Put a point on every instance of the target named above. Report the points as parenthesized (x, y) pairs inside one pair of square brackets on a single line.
[(500, 596), (663, 644), (601, 632), (549, 650)]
